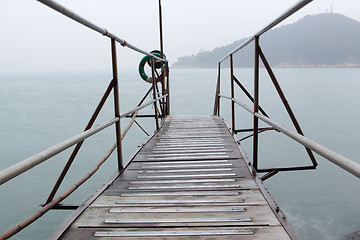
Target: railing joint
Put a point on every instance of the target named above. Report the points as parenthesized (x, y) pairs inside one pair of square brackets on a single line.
[(269, 175)]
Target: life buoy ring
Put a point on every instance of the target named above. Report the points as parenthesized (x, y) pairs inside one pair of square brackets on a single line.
[(145, 60)]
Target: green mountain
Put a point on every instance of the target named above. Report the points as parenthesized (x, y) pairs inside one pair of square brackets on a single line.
[(323, 40)]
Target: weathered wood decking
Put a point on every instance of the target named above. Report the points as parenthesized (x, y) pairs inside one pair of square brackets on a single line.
[(189, 181)]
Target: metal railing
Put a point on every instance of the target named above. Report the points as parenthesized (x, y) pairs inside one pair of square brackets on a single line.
[(332, 156), (70, 14), (160, 103), (35, 160), (298, 136)]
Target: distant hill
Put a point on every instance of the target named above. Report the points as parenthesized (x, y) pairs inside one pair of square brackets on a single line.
[(323, 40)]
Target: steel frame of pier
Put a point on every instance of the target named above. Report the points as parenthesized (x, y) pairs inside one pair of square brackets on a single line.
[(191, 180)]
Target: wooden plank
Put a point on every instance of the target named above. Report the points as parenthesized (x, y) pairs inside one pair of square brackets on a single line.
[(273, 233), (248, 196), (252, 216), (189, 181)]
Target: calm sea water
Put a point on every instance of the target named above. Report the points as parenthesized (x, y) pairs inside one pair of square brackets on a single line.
[(38, 110)]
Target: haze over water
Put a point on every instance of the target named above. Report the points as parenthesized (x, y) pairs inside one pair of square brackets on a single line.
[(40, 110)]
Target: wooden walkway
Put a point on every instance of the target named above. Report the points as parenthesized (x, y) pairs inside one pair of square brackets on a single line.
[(189, 181)]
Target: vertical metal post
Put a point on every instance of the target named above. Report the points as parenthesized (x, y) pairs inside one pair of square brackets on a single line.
[(116, 104), (161, 52), (217, 97), (163, 92), (232, 95), (219, 80), (256, 103), (161, 35), (167, 89), (154, 92), (161, 104)]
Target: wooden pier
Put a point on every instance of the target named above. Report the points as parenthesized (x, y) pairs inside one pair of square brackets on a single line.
[(190, 181)]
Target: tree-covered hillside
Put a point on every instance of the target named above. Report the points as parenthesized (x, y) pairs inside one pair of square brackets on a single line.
[(321, 40)]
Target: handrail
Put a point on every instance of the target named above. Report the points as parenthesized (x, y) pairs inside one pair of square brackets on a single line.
[(35, 160), (54, 202), (297, 6), (255, 98), (72, 15), (27, 164), (142, 106), (47, 207), (341, 161)]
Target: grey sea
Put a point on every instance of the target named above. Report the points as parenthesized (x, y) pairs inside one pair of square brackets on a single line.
[(39, 110)]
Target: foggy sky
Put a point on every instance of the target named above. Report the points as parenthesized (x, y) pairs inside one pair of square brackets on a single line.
[(35, 37)]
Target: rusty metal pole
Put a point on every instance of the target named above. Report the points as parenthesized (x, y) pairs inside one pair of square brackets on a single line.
[(163, 70), (78, 146), (232, 95), (163, 92), (161, 106), (116, 104), (256, 104), (219, 79), (249, 95), (217, 97), (161, 32), (167, 89), (154, 92), (285, 102)]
